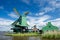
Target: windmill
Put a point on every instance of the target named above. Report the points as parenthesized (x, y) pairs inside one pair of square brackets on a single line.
[(20, 25)]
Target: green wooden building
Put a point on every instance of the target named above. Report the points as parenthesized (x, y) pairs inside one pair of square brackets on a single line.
[(49, 27), (20, 25)]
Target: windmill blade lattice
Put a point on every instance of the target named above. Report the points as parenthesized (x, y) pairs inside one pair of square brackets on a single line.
[(16, 11)]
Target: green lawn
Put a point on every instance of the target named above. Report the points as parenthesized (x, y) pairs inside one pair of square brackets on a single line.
[(22, 34)]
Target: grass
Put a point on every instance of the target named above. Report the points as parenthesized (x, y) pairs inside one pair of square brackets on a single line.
[(22, 34), (48, 35), (51, 35)]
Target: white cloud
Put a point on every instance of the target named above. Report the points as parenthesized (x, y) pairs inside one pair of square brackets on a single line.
[(39, 14), (5, 24), (5, 21), (39, 2), (26, 1), (39, 21), (55, 22), (44, 11), (47, 9), (45, 17), (5, 28), (55, 3), (13, 15), (51, 6), (58, 5)]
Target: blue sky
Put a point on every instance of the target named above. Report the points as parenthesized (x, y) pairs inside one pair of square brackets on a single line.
[(40, 12)]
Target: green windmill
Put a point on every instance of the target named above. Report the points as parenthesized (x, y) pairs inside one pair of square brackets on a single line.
[(20, 25), (49, 27)]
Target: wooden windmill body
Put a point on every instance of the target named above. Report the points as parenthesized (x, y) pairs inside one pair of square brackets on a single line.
[(21, 23)]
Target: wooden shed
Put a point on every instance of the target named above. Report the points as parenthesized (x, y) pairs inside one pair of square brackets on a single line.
[(49, 27)]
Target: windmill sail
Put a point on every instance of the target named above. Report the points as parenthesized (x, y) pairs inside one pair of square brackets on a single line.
[(14, 23), (18, 21), (26, 13), (16, 12)]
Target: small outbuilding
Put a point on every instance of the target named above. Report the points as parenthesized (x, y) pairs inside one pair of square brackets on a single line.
[(49, 27), (35, 29)]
